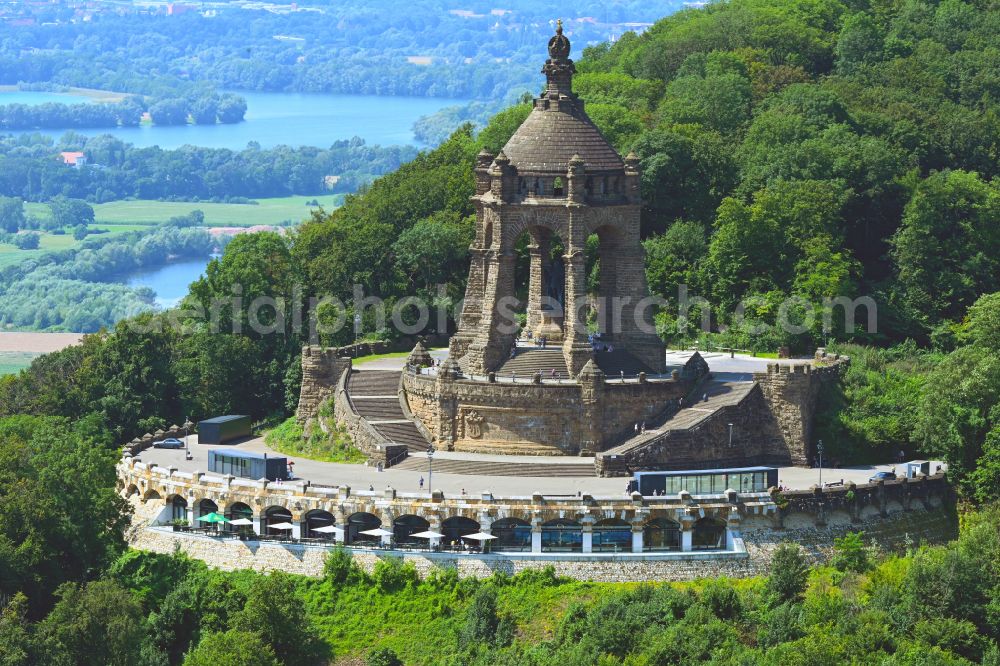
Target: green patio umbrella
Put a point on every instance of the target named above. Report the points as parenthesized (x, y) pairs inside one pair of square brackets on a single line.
[(213, 518)]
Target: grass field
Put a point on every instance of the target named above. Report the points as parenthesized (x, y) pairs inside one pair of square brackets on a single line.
[(117, 217), (10, 254), (11, 362), (145, 212)]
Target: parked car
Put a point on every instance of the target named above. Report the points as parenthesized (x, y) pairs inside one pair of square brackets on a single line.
[(883, 476), (169, 443)]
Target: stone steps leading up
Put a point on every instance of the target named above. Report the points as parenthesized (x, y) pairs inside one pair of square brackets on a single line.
[(529, 360), (497, 468), (373, 382), (720, 396), (373, 395), (614, 363)]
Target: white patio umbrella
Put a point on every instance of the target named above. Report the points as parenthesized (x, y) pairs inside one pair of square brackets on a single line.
[(479, 536), (282, 526), (377, 532), (428, 535), (241, 522), (326, 529)]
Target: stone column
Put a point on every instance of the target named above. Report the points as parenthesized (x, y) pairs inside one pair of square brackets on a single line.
[(687, 532), (591, 380), (192, 519), (496, 331), (258, 523), (732, 528), (435, 526), (576, 349), (638, 534), (300, 527), (536, 536), (539, 253), (472, 306), (588, 538)]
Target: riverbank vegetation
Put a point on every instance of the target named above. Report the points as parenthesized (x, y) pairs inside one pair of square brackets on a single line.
[(72, 290), (201, 108), (31, 169)]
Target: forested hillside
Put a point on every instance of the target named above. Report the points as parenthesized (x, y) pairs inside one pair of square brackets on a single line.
[(789, 147)]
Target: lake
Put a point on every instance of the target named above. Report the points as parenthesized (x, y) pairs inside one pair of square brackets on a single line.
[(273, 119), (170, 281)]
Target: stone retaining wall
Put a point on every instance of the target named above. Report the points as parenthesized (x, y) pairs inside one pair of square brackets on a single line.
[(543, 418)]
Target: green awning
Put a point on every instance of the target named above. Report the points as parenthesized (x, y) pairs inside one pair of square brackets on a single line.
[(213, 518)]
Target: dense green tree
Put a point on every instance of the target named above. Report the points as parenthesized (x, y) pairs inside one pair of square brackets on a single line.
[(204, 110), (275, 612), (434, 251), (947, 247), (169, 112), (787, 574), (51, 530), (15, 633), (67, 212), (11, 214), (27, 240), (958, 411), (673, 258), (96, 624), (232, 648)]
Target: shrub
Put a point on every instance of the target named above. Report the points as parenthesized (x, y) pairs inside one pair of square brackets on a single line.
[(383, 657), (788, 573), (339, 567), (850, 554), (392, 574)]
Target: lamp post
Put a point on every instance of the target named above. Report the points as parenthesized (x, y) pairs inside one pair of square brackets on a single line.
[(819, 450), (430, 469)]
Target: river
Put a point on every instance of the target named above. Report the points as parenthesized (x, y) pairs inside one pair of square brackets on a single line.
[(273, 119), (169, 281)]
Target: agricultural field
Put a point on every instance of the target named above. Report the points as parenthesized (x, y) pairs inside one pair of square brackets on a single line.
[(145, 212), (14, 362), (118, 217)]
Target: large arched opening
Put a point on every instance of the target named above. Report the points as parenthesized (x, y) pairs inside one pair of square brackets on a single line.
[(562, 536), (240, 517), (709, 534), (362, 522), (317, 519), (404, 527), (455, 528), (275, 520), (512, 534), (661, 534), (612, 535), (540, 284), (178, 508)]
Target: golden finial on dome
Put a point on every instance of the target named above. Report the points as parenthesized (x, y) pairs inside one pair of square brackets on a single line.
[(559, 26)]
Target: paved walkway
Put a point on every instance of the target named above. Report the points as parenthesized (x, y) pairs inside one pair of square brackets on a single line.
[(361, 476)]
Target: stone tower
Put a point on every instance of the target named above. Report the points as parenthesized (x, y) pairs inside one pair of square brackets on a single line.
[(557, 178)]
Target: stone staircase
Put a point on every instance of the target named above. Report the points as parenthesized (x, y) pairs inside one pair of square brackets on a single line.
[(614, 363), (529, 360), (499, 468), (722, 396), (374, 397)]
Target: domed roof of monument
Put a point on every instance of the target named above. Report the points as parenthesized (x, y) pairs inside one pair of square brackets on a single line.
[(558, 128), (548, 139)]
